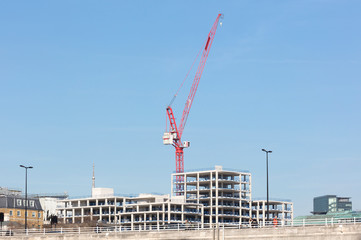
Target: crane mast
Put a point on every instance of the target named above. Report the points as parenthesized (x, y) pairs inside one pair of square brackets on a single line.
[(173, 137)]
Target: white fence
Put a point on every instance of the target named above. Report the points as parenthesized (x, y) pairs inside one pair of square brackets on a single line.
[(178, 227)]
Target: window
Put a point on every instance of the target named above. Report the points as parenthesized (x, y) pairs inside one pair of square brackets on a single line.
[(39, 215), (11, 213), (26, 203), (33, 214), (18, 213), (18, 202), (31, 203)]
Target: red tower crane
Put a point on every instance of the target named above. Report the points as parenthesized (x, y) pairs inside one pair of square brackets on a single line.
[(173, 137)]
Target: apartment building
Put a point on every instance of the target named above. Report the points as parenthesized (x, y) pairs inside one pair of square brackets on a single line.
[(225, 194)]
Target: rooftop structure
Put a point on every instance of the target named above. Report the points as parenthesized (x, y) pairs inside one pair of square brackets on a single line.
[(6, 191)]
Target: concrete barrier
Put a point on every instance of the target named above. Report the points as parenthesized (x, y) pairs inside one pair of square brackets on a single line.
[(336, 232)]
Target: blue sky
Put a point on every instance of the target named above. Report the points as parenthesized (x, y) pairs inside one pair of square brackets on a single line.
[(88, 81)]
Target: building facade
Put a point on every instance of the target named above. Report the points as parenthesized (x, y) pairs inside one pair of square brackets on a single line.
[(49, 203), (13, 207), (225, 194)]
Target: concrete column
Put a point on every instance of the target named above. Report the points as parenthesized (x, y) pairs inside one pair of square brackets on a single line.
[(115, 209), (91, 214), (64, 220), (240, 198), (264, 212), (250, 193), (202, 217), (211, 199), (82, 215), (182, 216), (185, 186), (132, 222), (163, 213), (158, 220), (100, 213), (168, 212), (198, 187), (217, 196), (73, 217)]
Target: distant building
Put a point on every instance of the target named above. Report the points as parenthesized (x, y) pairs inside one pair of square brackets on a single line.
[(50, 203), (331, 203), (282, 210), (13, 207), (7, 191)]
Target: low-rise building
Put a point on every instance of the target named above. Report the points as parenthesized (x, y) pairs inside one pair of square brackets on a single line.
[(13, 207), (331, 203), (146, 211), (282, 210)]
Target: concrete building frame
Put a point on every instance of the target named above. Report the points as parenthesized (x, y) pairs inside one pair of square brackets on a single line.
[(225, 194)]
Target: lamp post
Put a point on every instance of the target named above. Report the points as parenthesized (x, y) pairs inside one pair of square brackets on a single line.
[(267, 152), (26, 195)]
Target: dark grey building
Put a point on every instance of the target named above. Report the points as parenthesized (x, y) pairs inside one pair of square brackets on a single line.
[(331, 203)]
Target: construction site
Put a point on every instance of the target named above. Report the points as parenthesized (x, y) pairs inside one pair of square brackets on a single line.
[(199, 197)]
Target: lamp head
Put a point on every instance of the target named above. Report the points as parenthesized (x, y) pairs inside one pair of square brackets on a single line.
[(264, 150), (22, 166)]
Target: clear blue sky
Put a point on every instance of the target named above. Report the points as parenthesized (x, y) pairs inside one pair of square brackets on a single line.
[(88, 81)]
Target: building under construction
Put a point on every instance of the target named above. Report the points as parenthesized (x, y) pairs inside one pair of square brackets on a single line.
[(203, 198)]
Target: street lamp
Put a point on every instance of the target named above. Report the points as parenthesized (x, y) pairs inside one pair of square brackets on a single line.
[(26, 195), (267, 152)]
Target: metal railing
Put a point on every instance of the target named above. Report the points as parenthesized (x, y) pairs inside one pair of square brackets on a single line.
[(127, 226)]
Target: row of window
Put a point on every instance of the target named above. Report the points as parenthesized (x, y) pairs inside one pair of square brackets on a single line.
[(20, 202), (18, 213)]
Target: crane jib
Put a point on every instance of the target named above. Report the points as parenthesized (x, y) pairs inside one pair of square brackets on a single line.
[(209, 38), (174, 135)]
